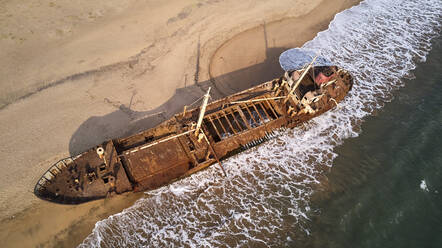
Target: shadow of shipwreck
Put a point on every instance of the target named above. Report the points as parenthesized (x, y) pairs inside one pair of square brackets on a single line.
[(125, 122)]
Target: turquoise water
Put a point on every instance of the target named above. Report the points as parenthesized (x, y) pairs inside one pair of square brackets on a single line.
[(387, 183)]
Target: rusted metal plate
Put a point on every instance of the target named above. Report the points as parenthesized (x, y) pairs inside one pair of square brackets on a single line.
[(154, 159), (162, 177), (174, 148)]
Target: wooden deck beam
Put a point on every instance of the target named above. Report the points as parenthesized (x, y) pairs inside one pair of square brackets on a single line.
[(214, 127), (228, 121)]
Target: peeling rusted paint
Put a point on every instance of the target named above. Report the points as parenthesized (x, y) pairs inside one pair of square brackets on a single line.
[(171, 150)]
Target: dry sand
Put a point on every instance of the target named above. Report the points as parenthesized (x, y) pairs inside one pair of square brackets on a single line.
[(76, 73)]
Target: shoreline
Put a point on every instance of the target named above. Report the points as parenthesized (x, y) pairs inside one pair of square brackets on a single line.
[(48, 224)]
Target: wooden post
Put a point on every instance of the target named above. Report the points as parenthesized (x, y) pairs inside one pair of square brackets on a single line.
[(250, 113), (259, 115), (264, 109), (243, 117), (236, 121), (221, 124), (271, 109), (228, 121), (214, 154), (184, 111), (202, 111), (214, 127)]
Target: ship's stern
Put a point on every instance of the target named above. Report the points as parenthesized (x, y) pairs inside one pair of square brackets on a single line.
[(88, 176)]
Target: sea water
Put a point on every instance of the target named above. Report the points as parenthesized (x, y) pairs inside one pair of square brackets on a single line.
[(385, 187), (352, 177)]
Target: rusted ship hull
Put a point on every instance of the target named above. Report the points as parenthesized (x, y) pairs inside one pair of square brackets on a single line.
[(192, 140)]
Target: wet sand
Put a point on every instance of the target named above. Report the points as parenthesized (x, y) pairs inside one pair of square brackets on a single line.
[(76, 76)]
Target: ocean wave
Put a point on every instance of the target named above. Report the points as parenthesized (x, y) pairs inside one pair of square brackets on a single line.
[(264, 200)]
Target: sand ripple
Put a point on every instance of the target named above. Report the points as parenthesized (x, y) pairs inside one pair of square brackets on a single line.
[(264, 201)]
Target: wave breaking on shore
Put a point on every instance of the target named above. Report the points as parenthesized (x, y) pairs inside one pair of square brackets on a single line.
[(264, 200)]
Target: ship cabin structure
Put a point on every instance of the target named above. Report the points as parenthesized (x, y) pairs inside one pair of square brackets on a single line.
[(196, 138)]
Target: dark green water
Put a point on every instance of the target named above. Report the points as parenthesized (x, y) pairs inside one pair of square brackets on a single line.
[(377, 198), (301, 188)]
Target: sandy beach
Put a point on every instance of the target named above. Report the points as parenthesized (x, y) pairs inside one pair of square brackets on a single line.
[(73, 75)]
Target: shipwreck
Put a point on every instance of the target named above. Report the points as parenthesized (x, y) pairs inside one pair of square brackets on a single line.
[(196, 138)]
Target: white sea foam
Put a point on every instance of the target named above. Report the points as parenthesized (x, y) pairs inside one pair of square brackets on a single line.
[(423, 185), (264, 199)]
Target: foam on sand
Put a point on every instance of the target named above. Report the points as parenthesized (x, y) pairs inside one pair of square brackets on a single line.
[(264, 200)]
